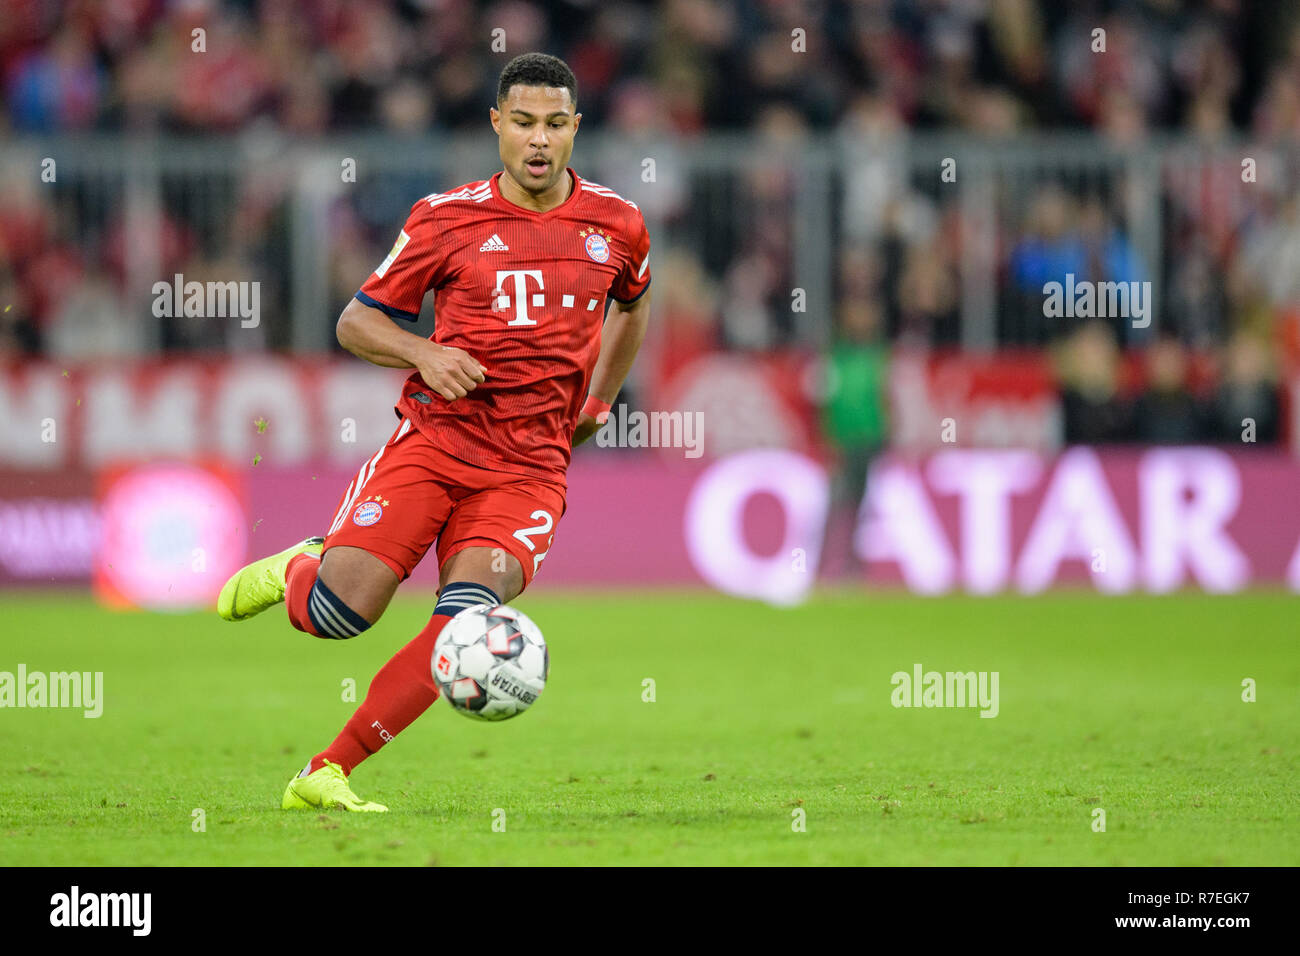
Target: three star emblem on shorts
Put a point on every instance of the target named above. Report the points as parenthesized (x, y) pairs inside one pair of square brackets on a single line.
[(383, 502)]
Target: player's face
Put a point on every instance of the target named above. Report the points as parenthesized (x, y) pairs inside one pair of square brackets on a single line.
[(535, 127)]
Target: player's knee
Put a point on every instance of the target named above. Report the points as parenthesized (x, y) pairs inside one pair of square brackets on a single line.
[(495, 568), (358, 581), (331, 616)]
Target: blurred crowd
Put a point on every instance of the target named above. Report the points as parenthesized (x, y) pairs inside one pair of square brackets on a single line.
[(983, 65), (1168, 395), (1223, 255)]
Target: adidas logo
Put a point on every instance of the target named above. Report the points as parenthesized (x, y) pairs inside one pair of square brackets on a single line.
[(494, 245)]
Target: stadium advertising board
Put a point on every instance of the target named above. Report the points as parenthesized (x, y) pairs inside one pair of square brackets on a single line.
[(91, 415), (753, 524), (758, 523)]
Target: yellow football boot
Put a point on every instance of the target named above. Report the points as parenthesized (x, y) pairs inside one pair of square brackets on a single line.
[(257, 586), (324, 789)]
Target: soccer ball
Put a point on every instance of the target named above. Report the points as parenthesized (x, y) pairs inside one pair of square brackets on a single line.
[(491, 662)]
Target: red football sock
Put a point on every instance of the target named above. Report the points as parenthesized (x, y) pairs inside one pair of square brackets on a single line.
[(401, 691), (299, 579)]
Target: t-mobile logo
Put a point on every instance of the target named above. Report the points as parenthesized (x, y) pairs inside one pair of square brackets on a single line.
[(520, 297)]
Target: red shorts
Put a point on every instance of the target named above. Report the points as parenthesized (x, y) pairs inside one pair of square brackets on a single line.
[(411, 493)]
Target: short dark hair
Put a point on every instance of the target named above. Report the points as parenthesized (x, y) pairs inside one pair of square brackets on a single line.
[(537, 69)]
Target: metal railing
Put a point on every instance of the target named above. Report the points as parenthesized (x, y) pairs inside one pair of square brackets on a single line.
[(767, 220)]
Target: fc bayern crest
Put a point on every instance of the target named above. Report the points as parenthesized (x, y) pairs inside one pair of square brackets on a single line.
[(367, 513), (597, 245)]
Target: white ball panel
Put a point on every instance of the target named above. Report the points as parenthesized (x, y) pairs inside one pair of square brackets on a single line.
[(531, 661), (476, 661)]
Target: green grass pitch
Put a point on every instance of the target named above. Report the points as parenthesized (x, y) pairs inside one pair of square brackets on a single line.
[(1133, 705)]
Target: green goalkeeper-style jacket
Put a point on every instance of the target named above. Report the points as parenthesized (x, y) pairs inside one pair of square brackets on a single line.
[(855, 411)]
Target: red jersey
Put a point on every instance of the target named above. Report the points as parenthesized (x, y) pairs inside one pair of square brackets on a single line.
[(524, 293)]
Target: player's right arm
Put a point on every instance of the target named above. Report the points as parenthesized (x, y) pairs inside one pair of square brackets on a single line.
[(371, 335), (394, 291)]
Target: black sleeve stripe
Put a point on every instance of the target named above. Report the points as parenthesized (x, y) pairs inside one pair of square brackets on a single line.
[(634, 298), (390, 311)]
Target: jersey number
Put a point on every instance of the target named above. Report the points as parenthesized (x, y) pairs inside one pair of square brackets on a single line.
[(523, 534)]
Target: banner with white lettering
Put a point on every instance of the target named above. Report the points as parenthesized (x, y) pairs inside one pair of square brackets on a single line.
[(760, 523)]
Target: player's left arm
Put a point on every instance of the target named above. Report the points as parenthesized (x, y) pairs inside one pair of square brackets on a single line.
[(619, 341)]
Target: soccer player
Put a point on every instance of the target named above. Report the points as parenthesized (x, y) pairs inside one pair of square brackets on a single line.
[(517, 372)]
